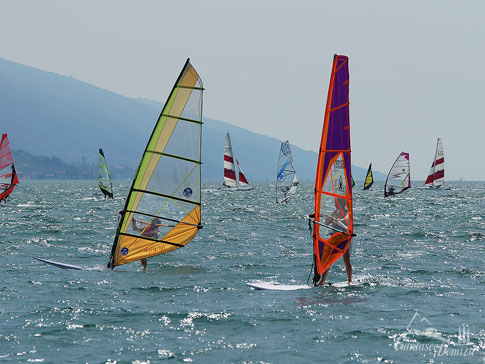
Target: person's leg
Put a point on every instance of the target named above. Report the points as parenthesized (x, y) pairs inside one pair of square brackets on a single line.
[(348, 265), (324, 277), (144, 264)]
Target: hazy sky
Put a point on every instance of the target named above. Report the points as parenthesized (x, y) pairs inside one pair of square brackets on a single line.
[(417, 68)]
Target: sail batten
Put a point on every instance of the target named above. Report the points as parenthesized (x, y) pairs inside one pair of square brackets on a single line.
[(181, 118), (286, 181), (333, 216), (167, 182)]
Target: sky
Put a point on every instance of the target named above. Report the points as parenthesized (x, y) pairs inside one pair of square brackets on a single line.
[(417, 68)]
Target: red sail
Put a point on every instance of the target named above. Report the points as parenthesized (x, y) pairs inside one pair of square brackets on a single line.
[(8, 176)]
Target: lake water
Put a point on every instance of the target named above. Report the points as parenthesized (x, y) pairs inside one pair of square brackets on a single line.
[(419, 272)]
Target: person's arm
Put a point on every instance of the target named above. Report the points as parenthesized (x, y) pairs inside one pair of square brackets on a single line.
[(133, 225)]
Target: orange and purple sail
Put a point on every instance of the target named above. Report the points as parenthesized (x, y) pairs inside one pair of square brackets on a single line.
[(8, 176), (333, 218)]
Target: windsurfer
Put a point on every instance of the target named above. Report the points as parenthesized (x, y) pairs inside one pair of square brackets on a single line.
[(150, 230), (337, 220)]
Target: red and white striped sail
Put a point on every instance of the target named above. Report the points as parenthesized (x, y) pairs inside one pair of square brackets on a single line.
[(8, 176), (229, 170), (243, 182), (436, 175)]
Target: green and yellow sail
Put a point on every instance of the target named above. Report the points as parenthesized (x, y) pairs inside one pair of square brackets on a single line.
[(104, 179), (166, 189)]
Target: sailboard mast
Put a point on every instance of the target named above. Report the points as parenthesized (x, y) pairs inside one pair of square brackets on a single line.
[(8, 175), (286, 181), (333, 217), (162, 210), (369, 179), (229, 169), (436, 175), (399, 178), (104, 179)]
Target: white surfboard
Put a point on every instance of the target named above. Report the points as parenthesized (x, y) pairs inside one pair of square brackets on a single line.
[(60, 265), (275, 286), (272, 286)]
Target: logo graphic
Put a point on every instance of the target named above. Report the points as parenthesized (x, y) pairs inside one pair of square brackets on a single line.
[(282, 176), (340, 185), (124, 251), (188, 192), (450, 345), (339, 164)]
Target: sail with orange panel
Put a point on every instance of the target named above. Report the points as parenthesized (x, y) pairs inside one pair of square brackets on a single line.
[(333, 217), (162, 210)]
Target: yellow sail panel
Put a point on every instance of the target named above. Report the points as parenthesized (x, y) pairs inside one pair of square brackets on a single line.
[(162, 210), (369, 179), (136, 248)]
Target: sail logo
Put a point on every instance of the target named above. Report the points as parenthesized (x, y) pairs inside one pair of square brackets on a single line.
[(188, 192), (339, 164), (282, 176), (285, 149), (340, 184), (124, 251)]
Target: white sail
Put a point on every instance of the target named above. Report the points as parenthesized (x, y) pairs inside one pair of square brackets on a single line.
[(399, 179), (286, 180), (229, 170), (243, 182), (436, 176)]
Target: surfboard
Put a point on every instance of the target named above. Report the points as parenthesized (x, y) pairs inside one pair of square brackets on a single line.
[(59, 265), (275, 286), (272, 286)]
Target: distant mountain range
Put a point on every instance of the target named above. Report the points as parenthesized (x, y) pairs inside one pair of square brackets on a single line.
[(49, 115)]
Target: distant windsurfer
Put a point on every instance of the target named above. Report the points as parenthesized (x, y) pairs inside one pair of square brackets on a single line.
[(150, 230), (337, 220)]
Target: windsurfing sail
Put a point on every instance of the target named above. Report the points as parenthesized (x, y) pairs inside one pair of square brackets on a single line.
[(104, 179), (229, 170), (436, 175), (369, 179), (286, 181), (333, 216), (243, 182), (162, 210), (399, 179), (8, 176)]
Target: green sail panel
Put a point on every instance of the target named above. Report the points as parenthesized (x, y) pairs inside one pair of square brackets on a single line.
[(104, 179), (162, 210)]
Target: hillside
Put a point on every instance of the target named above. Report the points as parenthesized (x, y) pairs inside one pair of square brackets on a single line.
[(46, 114)]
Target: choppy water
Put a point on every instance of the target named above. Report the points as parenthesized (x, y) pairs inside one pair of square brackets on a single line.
[(420, 253)]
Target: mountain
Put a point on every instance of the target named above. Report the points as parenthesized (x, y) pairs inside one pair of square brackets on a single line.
[(50, 115)]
